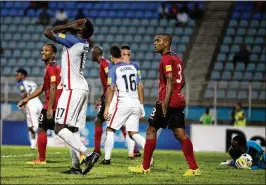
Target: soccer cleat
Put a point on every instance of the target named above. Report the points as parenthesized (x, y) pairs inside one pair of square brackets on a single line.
[(98, 152), (82, 157), (130, 158), (191, 173), (139, 169), (89, 162), (36, 161), (137, 154), (73, 171), (106, 162), (226, 163)]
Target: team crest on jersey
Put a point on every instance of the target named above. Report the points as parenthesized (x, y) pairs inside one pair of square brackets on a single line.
[(106, 70), (21, 88), (53, 78), (62, 35), (109, 80), (168, 68)]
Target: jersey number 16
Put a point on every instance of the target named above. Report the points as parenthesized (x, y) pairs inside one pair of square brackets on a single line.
[(130, 81)]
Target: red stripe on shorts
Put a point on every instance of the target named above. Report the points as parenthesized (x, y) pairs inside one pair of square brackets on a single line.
[(68, 102), (68, 70)]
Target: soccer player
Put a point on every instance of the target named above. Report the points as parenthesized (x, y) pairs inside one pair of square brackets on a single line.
[(52, 88), (34, 106), (240, 146), (72, 104), (169, 109), (124, 79)]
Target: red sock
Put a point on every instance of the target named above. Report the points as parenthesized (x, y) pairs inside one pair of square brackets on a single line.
[(187, 148), (97, 137), (148, 151), (42, 143), (124, 132), (136, 150)]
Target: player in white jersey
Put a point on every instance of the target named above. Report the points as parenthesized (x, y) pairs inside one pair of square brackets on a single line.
[(72, 104), (123, 79), (34, 106)]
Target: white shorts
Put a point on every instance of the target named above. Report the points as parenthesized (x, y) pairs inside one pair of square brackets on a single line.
[(72, 107), (124, 116), (32, 115)]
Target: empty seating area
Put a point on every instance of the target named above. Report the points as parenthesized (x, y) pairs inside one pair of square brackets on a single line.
[(248, 27)]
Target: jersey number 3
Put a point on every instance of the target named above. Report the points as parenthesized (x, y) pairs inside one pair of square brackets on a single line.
[(179, 74)]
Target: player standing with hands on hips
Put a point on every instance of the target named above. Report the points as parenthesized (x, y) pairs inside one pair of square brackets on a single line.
[(169, 109), (72, 105)]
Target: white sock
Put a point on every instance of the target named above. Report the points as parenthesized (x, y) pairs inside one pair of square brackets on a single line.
[(32, 141), (140, 140), (130, 145), (73, 142), (108, 145), (75, 155)]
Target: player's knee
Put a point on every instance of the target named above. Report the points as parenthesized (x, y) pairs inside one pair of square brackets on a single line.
[(151, 132), (180, 134), (108, 129), (98, 122), (57, 128), (41, 130), (131, 133)]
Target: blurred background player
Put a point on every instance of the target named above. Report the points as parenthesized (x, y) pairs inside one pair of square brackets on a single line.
[(123, 77), (207, 118), (52, 88), (169, 109), (34, 106), (241, 146), (240, 118), (72, 104)]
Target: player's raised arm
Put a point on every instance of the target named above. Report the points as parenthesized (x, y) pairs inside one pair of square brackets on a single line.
[(36, 93)]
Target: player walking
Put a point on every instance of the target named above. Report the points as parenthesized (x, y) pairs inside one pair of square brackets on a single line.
[(124, 79), (34, 106), (72, 105), (52, 89), (169, 109)]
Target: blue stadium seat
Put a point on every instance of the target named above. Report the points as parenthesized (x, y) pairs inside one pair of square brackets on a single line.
[(3, 61), (154, 92), (237, 76), (179, 31), (262, 58), (146, 64), (251, 67), (12, 28), (220, 94), (234, 49), (224, 49), (230, 31), (227, 40), (149, 56), (4, 28), (141, 30), (231, 94), (258, 76), (188, 31), (176, 40), (251, 32), (238, 40), (259, 40), (181, 48), (110, 38), (262, 95), (248, 76), (218, 66), (256, 85), (215, 75), (190, 23), (12, 45), (132, 30), (36, 71), (223, 85), (232, 23), (152, 74), (249, 40), (236, 15), (229, 66), (208, 93), (240, 67), (257, 16), (261, 67), (242, 95), (256, 49), (254, 95), (185, 40), (261, 32), (7, 71), (151, 30), (153, 22), (7, 54), (263, 24), (16, 20), (241, 32), (12, 62), (221, 57), (234, 85), (27, 54), (246, 15), (243, 23), (226, 75), (254, 24), (254, 58), (244, 85), (16, 54)]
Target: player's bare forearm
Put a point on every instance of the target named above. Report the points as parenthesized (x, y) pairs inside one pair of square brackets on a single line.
[(169, 88), (36, 93), (109, 96), (52, 96), (141, 93)]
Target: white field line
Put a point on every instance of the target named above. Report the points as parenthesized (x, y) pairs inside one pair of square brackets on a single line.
[(27, 155)]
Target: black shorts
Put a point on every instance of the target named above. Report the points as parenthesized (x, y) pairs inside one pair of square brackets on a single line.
[(175, 117), (100, 114), (46, 123)]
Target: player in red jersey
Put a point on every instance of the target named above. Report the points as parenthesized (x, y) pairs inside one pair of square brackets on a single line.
[(97, 56), (169, 109), (52, 89)]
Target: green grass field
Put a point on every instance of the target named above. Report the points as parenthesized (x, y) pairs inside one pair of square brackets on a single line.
[(169, 168)]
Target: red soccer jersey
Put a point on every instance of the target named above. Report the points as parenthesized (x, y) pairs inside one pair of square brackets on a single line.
[(171, 63), (52, 76), (104, 73)]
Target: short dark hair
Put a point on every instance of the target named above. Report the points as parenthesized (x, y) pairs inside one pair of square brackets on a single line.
[(22, 71), (53, 47), (167, 35), (207, 110), (88, 29), (115, 51), (98, 50), (241, 140), (239, 104), (125, 47)]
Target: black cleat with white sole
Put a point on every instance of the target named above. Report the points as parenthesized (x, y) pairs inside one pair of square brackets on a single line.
[(89, 162), (73, 171)]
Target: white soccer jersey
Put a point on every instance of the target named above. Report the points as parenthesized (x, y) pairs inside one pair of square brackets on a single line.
[(125, 77), (28, 86), (73, 61)]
